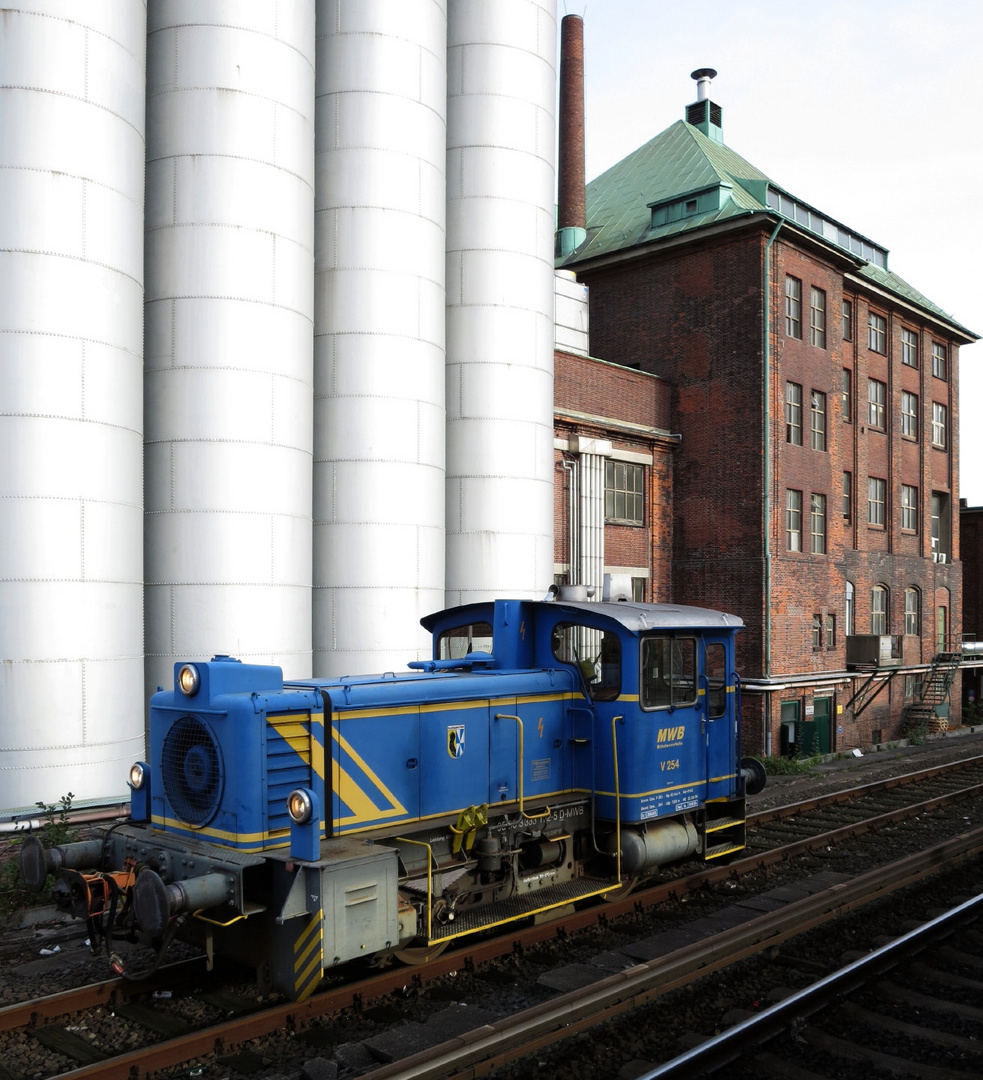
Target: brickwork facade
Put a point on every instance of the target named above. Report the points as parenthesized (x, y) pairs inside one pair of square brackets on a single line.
[(821, 509), (626, 412)]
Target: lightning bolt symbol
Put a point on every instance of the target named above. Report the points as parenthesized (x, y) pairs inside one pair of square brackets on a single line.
[(540, 727), (522, 629)]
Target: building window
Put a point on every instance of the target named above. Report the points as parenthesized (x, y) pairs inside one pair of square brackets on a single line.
[(793, 307), (624, 498), (912, 612), (793, 520), (876, 400), (817, 317), (909, 414), (847, 496), (942, 628), (817, 419), (848, 609), (940, 418), (877, 333), (817, 632), (940, 360), (817, 524), (909, 508), (793, 413), (912, 687), (846, 395), (878, 610), (830, 631), (909, 348), (638, 589), (876, 499), (847, 320)]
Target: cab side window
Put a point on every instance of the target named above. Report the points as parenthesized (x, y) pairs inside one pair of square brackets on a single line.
[(595, 653), (668, 672)]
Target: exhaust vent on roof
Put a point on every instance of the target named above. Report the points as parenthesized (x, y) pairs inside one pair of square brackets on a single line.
[(704, 114)]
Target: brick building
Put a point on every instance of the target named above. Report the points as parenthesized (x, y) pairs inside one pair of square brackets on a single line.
[(612, 451), (814, 395)]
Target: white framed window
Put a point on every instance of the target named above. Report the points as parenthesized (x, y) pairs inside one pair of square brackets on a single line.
[(846, 395), (878, 609), (876, 500), (940, 424), (940, 360), (877, 333), (912, 612), (793, 307), (817, 419), (793, 413), (909, 414), (848, 608), (847, 496), (876, 402), (793, 520), (909, 508), (909, 347), (817, 317), (817, 524)]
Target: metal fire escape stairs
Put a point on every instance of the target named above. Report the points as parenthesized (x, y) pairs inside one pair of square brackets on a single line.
[(923, 714)]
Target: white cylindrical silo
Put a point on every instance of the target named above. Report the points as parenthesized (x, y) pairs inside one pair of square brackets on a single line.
[(501, 86), (71, 344), (379, 332), (229, 325)]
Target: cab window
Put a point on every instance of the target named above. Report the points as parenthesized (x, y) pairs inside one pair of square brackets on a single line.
[(668, 672), (596, 654), (457, 643)]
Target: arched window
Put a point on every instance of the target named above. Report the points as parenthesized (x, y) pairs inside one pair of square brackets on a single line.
[(878, 609), (912, 611), (849, 609)]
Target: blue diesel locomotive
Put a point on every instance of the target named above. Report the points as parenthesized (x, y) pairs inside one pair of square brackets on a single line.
[(548, 752)]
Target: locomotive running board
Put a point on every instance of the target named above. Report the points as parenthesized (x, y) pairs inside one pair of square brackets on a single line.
[(521, 907)]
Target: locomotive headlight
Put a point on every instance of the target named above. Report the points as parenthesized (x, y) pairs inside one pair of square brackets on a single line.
[(188, 679), (299, 806), (138, 774)]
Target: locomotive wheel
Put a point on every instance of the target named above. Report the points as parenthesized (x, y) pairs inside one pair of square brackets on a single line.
[(420, 954), (627, 885)]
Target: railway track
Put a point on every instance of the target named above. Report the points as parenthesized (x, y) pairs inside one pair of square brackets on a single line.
[(235, 1019)]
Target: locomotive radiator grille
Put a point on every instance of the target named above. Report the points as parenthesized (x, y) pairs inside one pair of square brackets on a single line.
[(191, 771), (294, 758)]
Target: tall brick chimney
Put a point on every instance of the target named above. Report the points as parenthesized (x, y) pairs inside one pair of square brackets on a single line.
[(572, 198)]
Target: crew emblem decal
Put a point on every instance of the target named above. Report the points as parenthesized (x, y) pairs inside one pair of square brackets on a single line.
[(455, 741)]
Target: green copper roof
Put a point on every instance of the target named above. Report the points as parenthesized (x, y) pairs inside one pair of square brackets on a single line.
[(682, 181)]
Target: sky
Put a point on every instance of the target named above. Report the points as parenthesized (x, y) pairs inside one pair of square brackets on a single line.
[(866, 109)]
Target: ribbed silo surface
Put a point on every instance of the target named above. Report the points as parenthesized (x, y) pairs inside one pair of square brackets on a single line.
[(379, 334), (500, 132), (71, 338), (229, 324)]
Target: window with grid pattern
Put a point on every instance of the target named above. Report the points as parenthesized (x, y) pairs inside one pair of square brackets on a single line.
[(940, 423), (877, 333), (878, 610), (909, 507), (876, 400), (817, 317), (817, 419), (793, 307), (940, 360), (912, 612), (846, 395), (624, 492), (876, 500), (817, 523), (847, 320), (793, 520), (909, 347), (793, 413), (909, 414)]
